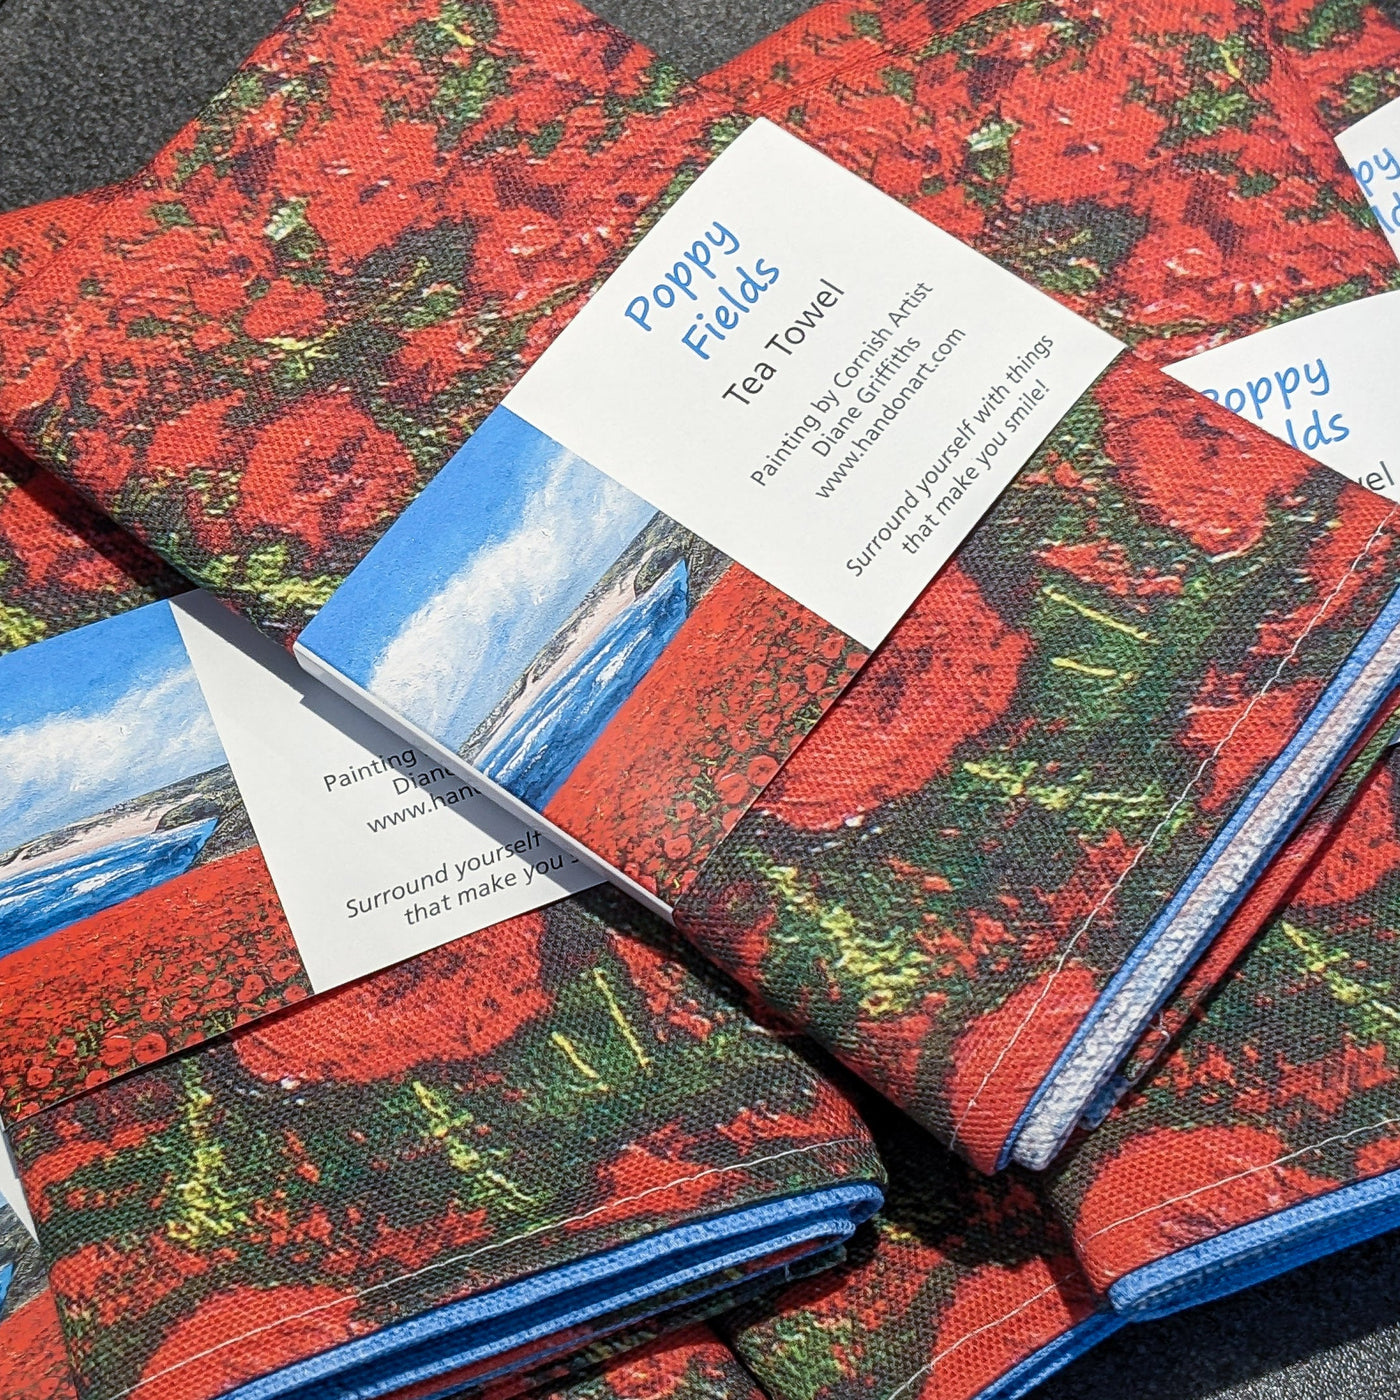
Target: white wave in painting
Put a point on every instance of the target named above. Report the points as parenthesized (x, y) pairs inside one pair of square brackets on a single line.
[(40, 898), (462, 650), (150, 736), (534, 750)]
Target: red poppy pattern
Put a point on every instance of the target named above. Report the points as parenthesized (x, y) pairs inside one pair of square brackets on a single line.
[(703, 732), (956, 1281), (167, 970), (1346, 51), (692, 1364), (1158, 168), (274, 336), (1284, 1086), (940, 914), (143, 979), (1261, 902), (61, 562), (1283, 1090), (29, 237), (189, 959), (33, 1363), (319, 1176)]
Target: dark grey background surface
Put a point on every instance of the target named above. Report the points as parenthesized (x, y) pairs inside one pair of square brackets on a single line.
[(89, 89)]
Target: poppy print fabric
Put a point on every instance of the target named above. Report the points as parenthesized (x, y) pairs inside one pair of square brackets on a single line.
[(1347, 53), (693, 1364), (300, 409), (944, 913), (1257, 907), (170, 965), (476, 1159), (1160, 169), (961, 1285), (1266, 1139), (33, 1363), (658, 1011), (30, 236), (216, 362), (158, 973), (1270, 1133), (62, 563), (265, 460), (277, 333)]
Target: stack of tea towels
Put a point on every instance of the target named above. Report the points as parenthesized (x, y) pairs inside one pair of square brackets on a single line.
[(948, 1004)]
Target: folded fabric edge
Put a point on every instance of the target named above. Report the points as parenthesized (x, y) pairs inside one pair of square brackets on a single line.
[(1053, 1356), (1370, 752), (1256, 832), (1252, 1253), (495, 1325), (320, 669)]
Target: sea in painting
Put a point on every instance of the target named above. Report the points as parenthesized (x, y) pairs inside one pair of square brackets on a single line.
[(515, 606), (115, 778)]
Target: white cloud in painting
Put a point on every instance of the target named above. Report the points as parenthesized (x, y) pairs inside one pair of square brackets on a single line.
[(461, 650), (68, 766)]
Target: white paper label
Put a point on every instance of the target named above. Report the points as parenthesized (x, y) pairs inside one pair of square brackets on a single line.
[(1372, 149), (812, 378), (377, 853), (1326, 383)]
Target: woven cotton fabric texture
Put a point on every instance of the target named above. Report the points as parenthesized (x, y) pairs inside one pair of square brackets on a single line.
[(271, 339), (694, 1364), (976, 1329), (1260, 904), (1348, 54), (1159, 168), (288, 411), (67, 566), (161, 973), (959, 1280), (533, 1095), (1282, 1092), (33, 1363), (62, 563), (309, 311), (1278, 1099), (944, 878)]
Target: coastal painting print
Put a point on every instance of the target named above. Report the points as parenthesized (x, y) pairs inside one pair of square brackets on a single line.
[(554, 630), (115, 778), (512, 637), (136, 914)]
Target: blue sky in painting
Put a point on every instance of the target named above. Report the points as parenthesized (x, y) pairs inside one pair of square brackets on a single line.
[(96, 716), (476, 576)]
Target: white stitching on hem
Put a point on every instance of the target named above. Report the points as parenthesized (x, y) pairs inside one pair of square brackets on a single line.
[(1239, 1176), (1157, 830), (1064, 1278), (977, 1331), (473, 1253)]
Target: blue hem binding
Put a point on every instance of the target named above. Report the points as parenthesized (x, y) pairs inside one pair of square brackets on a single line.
[(1252, 1253), (1336, 691), (492, 1324), (1040, 1365)]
